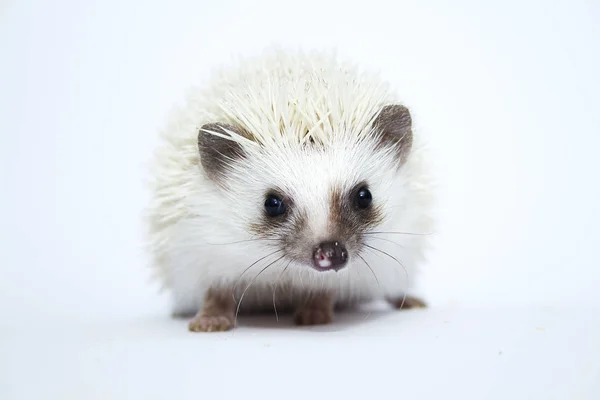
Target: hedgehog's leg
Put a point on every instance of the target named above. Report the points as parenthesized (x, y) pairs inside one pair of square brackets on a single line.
[(216, 314), (316, 310), (406, 302)]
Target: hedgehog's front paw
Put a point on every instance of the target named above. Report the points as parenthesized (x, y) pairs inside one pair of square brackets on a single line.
[(406, 303), (317, 311), (210, 323), (216, 314), (313, 316)]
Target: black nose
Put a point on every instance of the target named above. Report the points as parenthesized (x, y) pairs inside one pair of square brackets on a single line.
[(330, 255)]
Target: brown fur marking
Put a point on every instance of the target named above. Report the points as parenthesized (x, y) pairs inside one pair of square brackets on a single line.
[(394, 123), (317, 310), (217, 313), (278, 226), (348, 220), (216, 153), (407, 303)]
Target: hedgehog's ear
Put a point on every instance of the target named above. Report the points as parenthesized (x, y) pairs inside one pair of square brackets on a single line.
[(217, 152), (394, 125)]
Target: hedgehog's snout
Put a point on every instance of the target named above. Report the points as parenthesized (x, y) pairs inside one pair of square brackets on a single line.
[(330, 256)]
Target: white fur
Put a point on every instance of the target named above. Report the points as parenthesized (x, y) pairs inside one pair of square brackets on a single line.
[(283, 99)]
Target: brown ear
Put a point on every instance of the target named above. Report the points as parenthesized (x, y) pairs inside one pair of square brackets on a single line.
[(217, 153), (394, 125)]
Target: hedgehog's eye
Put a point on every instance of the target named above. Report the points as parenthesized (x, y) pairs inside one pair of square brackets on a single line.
[(274, 206), (363, 198)]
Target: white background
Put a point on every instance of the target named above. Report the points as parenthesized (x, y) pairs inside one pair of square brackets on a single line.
[(507, 94)]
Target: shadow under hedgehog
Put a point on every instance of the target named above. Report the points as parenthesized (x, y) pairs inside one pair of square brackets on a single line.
[(292, 181)]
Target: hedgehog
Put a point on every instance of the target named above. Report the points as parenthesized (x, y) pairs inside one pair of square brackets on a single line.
[(290, 181)]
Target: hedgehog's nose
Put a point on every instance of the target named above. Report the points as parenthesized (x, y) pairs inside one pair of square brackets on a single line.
[(330, 256)]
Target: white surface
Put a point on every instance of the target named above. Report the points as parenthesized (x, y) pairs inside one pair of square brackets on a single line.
[(481, 353), (508, 97)]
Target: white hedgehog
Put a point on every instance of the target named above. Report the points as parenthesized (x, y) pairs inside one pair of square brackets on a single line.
[(290, 182)]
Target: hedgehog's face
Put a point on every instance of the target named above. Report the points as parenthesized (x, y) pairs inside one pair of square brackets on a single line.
[(315, 203), (318, 222), (349, 216)]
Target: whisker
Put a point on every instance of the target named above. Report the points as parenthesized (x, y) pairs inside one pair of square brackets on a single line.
[(371, 269), (275, 289), (403, 300), (374, 275), (398, 233), (388, 240), (250, 284), (244, 271), (348, 273), (300, 276), (322, 285), (399, 263), (242, 241), (193, 243)]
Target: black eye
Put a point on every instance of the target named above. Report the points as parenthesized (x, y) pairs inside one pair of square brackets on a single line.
[(274, 206), (363, 198)]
